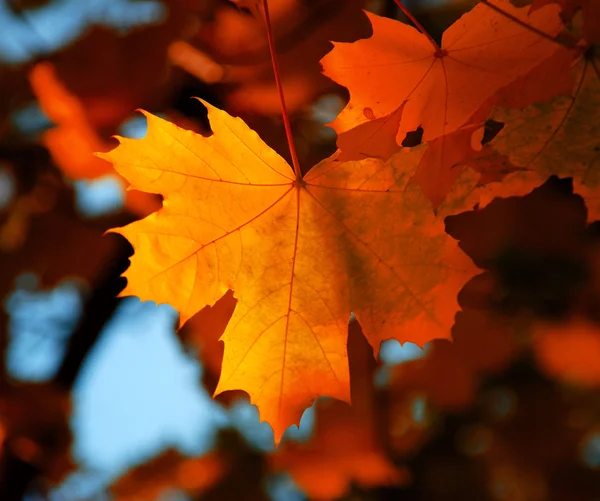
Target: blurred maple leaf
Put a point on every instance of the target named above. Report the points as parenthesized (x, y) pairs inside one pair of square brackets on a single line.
[(300, 255), (569, 351), (34, 427), (231, 471), (169, 470), (73, 142), (231, 48)]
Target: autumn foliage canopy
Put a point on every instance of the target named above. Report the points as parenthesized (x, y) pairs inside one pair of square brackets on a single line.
[(455, 212)]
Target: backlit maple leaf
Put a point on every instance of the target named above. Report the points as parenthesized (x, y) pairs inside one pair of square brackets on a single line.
[(558, 137), (590, 15), (561, 136), (299, 254), (481, 53)]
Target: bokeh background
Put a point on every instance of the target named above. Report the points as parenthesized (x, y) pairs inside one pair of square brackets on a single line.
[(101, 398)]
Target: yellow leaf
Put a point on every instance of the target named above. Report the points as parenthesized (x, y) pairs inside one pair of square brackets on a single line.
[(300, 256)]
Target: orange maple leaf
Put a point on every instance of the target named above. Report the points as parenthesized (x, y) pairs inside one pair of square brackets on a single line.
[(299, 254), (590, 15), (376, 138), (481, 53), (557, 137)]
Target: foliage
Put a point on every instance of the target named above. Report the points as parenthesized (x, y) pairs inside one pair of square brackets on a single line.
[(455, 211)]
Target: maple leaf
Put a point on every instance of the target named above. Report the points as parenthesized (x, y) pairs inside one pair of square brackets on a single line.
[(481, 53), (558, 137), (448, 156), (444, 160), (590, 15), (551, 78), (467, 147), (376, 138), (299, 254)]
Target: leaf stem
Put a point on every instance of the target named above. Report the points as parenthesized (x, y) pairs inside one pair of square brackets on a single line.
[(284, 112), (438, 49), (525, 25)]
